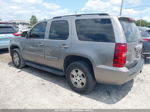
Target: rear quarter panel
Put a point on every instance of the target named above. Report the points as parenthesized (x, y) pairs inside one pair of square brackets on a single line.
[(98, 53)]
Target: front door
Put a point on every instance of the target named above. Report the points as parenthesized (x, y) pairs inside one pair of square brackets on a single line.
[(33, 48)]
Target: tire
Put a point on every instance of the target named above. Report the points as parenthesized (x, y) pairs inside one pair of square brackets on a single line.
[(87, 82), (16, 53)]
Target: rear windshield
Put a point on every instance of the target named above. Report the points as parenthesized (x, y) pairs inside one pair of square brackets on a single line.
[(98, 30), (131, 31), (7, 30)]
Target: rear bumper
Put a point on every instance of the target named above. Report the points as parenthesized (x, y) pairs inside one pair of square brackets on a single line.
[(117, 76), (4, 46)]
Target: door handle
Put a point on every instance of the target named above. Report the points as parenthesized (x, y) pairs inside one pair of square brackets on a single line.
[(40, 44), (64, 46)]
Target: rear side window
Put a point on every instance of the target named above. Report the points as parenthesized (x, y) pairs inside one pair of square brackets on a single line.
[(59, 30), (98, 30), (131, 31), (7, 30)]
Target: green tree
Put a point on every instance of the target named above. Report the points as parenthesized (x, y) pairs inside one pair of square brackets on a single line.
[(33, 20), (142, 22)]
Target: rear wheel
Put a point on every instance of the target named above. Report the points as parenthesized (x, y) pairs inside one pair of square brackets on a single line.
[(80, 77), (17, 59)]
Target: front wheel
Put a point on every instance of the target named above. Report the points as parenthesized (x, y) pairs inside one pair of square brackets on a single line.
[(80, 77), (17, 59)]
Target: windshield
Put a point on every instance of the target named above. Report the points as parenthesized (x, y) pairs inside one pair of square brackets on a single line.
[(131, 31), (7, 30)]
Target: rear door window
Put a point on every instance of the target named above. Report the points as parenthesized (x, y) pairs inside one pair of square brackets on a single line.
[(131, 31), (98, 30), (7, 30), (59, 30)]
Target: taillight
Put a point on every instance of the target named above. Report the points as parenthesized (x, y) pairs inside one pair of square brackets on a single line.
[(120, 55), (16, 34), (148, 40)]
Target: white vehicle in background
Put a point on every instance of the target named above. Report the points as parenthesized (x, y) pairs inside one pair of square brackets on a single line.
[(23, 28), (147, 29), (7, 32)]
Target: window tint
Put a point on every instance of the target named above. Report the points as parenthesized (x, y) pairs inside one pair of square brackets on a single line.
[(7, 30), (59, 30), (131, 31), (38, 31), (99, 30)]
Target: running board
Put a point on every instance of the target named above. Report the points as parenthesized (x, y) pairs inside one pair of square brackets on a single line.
[(45, 68)]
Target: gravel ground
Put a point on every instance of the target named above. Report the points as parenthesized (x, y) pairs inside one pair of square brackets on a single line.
[(30, 88)]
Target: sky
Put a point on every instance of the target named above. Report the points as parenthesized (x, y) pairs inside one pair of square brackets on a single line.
[(46, 9)]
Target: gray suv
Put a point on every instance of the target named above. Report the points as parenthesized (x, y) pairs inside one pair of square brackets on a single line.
[(86, 48)]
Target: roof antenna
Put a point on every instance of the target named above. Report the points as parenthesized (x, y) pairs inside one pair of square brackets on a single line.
[(121, 7)]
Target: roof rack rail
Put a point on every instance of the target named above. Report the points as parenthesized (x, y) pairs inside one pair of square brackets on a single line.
[(77, 15)]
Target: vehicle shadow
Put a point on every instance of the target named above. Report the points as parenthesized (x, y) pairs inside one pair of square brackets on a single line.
[(111, 94), (3, 51), (108, 94), (147, 60)]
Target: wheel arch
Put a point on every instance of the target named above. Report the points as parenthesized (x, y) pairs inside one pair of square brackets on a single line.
[(72, 58), (13, 47)]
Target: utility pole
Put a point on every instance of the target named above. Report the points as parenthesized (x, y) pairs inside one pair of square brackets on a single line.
[(121, 7), (140, 22)]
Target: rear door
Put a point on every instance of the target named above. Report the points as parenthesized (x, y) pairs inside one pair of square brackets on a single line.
[(57, 43), (134, 46)]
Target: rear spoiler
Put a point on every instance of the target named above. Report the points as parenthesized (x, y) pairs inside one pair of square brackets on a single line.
[(127, 19)]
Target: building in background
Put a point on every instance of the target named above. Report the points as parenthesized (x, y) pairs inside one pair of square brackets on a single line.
[(21, 25)]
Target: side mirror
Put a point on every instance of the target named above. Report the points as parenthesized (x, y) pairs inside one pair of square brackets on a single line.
[(24, 34)]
